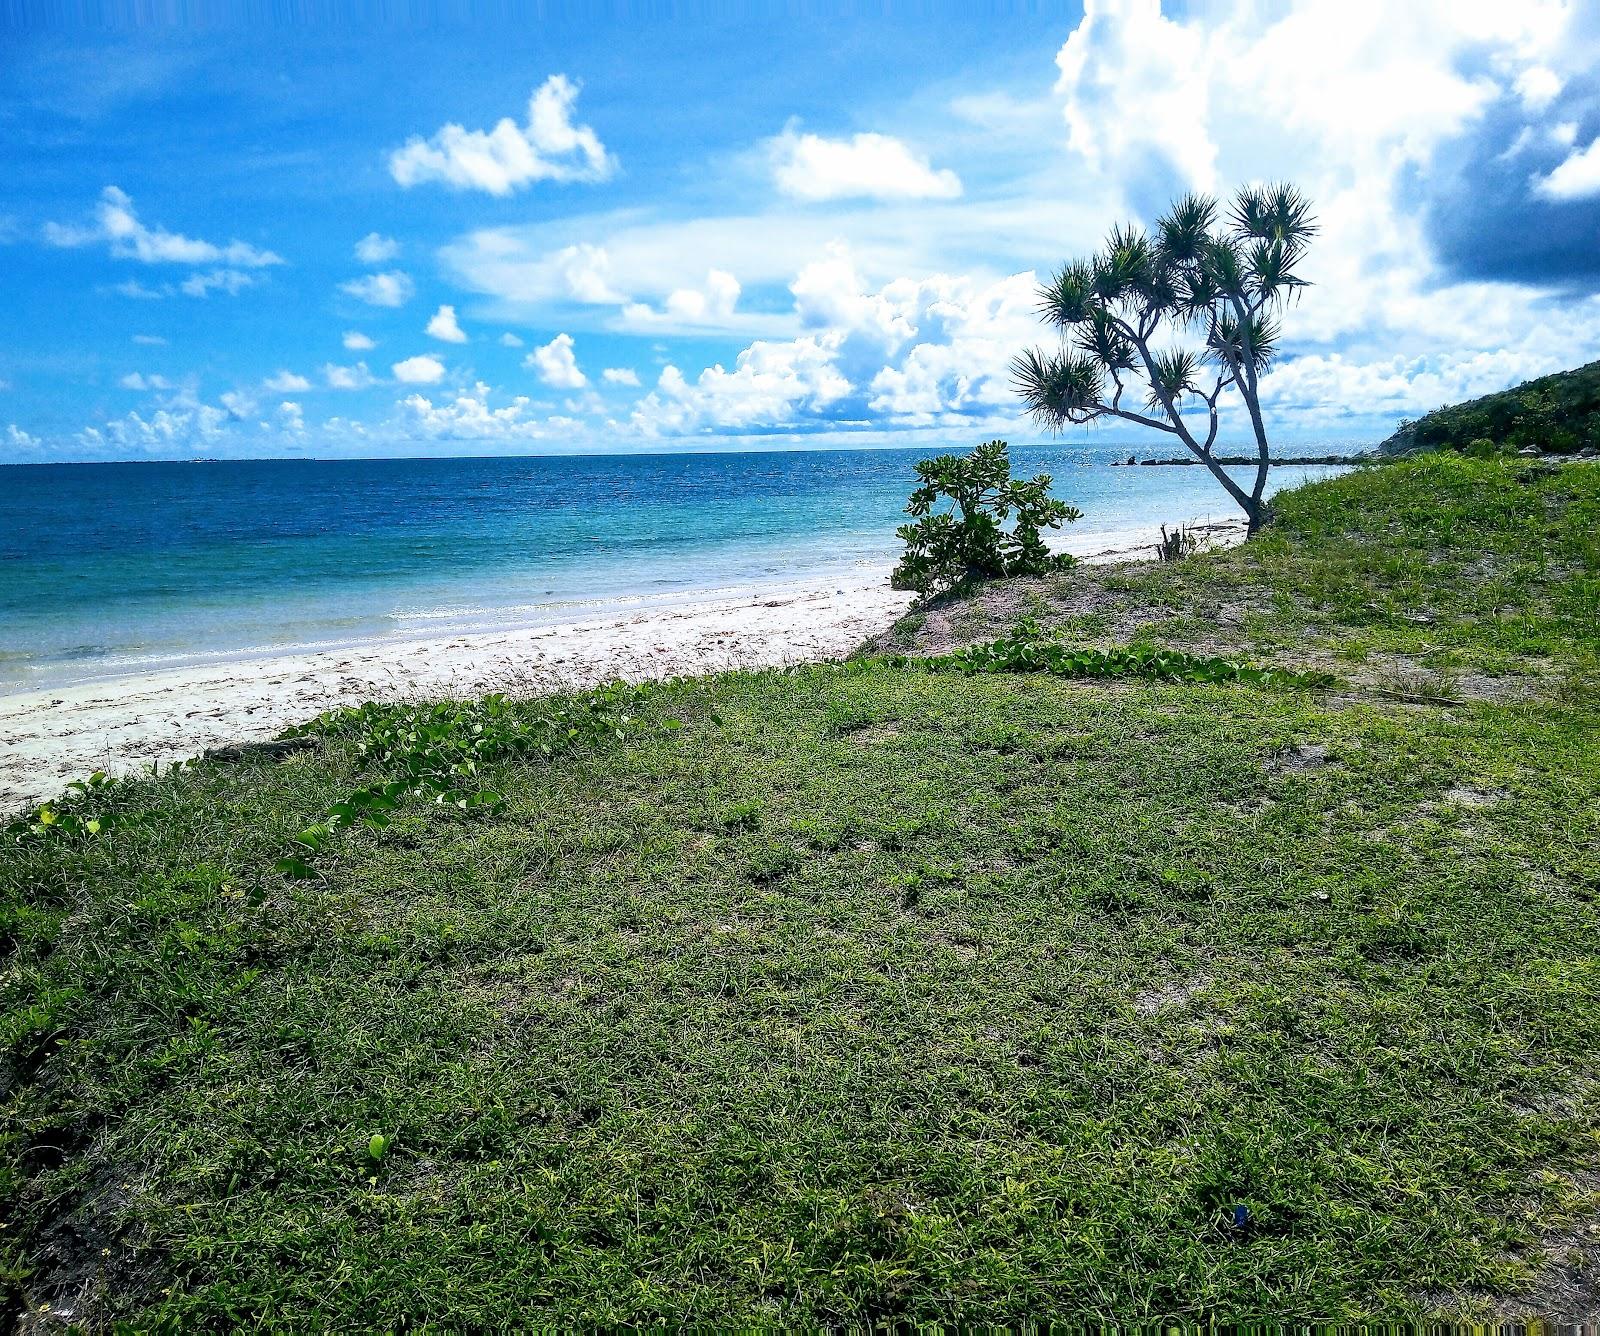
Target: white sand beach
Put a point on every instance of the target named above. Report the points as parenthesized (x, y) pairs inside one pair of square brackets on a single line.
[(123, 724)]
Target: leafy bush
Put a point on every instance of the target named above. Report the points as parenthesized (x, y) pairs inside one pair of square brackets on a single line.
[(968, 541)]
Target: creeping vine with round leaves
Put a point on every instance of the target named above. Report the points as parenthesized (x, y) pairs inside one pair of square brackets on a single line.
[(1219, 280)]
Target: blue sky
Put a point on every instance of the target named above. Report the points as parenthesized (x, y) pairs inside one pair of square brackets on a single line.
[(662, 232)]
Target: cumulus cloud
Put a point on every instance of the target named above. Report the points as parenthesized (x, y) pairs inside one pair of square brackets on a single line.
[(135, 380), (908, 353), (547, 147), (420, 370), (556, 364), (443, 326), (19, 440), (357, 342), (237, 404), (230, 281), (770, 384), (286, 382), (1538, 86), (620, 375), (470, 416), (355, 377), (510, 340), (1576, 177), (866, 166), (390, 288), (710, 304), (376, 249), (117, 226), (1394, 131)]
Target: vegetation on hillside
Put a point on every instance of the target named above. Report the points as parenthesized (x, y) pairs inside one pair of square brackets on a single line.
[(880, 990), (1559, 414), (1215, 282)]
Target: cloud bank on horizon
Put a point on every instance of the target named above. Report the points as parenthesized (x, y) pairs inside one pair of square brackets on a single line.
[(650, 263)]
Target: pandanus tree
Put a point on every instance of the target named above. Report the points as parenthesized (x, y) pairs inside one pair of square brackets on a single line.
[(1185, 314)]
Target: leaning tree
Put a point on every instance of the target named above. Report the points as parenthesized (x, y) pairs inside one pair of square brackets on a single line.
[(1131, 317)]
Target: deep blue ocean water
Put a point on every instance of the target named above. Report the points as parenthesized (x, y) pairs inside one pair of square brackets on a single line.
[(118, 568)]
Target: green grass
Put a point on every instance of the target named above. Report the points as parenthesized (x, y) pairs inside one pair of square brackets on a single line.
[(858, 992)]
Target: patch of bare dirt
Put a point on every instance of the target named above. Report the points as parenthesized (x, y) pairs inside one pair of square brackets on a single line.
[(1301, 756), (1178, 993)]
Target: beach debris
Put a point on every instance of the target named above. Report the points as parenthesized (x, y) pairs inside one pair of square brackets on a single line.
[(245, 751)]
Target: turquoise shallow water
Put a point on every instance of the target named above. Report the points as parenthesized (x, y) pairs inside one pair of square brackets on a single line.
[(117, 568)]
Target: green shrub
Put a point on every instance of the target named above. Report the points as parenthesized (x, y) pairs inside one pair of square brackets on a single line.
[(969, 540)]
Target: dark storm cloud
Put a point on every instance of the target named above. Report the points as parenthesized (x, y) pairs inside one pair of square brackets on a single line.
[(1484, 217)]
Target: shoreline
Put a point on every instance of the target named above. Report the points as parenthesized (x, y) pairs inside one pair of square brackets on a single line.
[(50, 736)]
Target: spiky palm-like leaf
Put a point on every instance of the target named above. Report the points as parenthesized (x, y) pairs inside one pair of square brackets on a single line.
[(1229, 336), (1101, 339), (1223, 267), (1177, 373), (1271, 269), (1184, 228), (1124, 265), (1273, 213), (1197, 296), (1058, 388), (1069, 297)]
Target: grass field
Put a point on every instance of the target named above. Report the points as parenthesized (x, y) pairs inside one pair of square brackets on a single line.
[(860, 992)]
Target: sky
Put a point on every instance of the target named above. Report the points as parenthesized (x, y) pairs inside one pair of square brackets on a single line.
[(284, 234)]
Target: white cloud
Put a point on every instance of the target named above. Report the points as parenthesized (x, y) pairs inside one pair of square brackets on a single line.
[(355, 377), (117, 226), (1576, 177), (420, 370), (1151, 106), (533, 273), (443, 326), (510, 340), (586, 272), (286, 382), (771, 383), (709, 305), (908, 353), (1538, 86), (391, 288), (238, 404), (469, 416), (357, 342), (556, 364), (865, 166), (17, 439), (230, 281), (549, 147), (291, 418), (150, 340), (136, 381), (1136, 91), (376, 249), (620, 375)]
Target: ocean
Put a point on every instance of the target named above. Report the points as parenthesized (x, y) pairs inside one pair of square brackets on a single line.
[(112, 569)]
